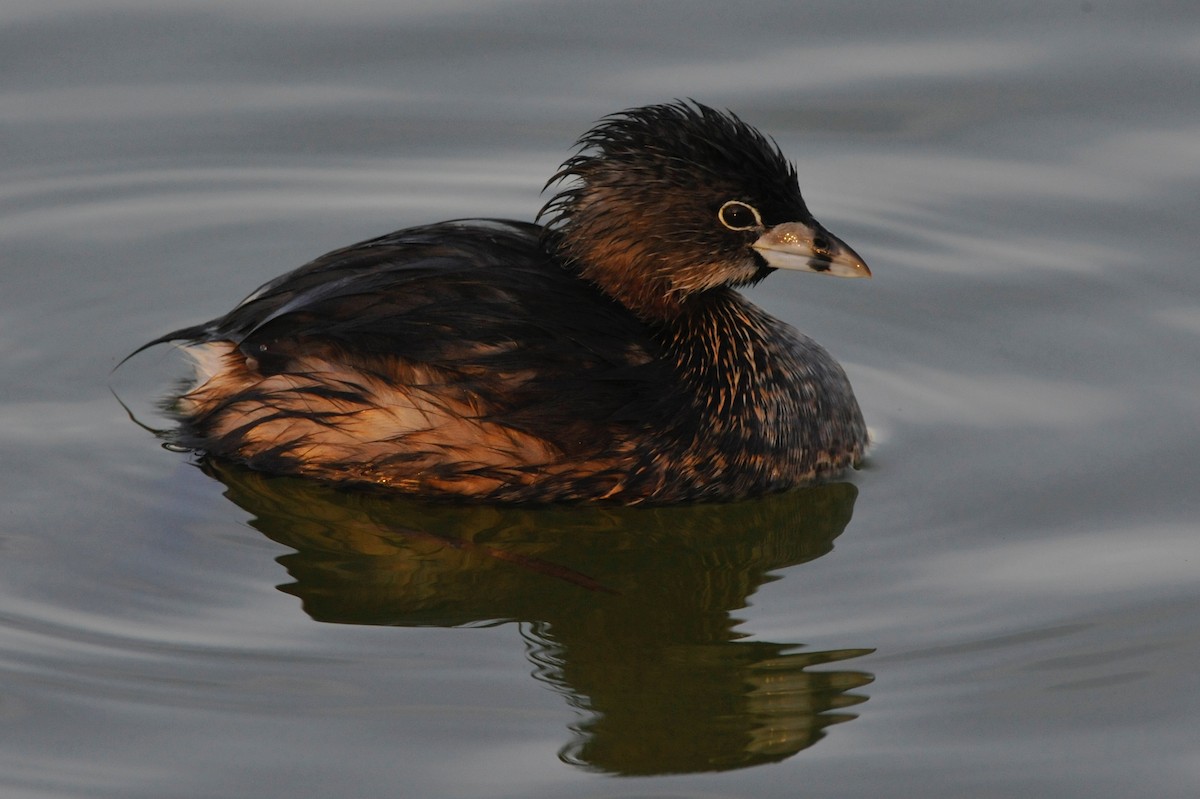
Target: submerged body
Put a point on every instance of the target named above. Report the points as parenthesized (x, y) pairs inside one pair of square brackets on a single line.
[(605, 356)]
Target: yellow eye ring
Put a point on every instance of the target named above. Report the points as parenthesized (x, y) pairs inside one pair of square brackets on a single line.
[(737, 215)]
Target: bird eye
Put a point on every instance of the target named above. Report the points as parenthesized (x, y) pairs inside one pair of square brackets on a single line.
[(737, 215)]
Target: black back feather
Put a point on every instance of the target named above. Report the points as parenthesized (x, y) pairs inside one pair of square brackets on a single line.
[(479, 298)]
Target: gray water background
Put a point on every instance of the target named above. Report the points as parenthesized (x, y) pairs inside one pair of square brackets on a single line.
[(1011, 609)]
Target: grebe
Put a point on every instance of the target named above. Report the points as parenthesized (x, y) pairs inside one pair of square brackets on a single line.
[(602, 356)]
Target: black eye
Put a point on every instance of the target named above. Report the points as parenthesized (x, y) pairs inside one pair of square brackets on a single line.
[(737, 215)]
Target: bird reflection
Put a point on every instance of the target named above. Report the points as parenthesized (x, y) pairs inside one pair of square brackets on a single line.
[(625, 611)]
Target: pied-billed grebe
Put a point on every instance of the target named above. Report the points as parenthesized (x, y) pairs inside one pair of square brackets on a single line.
[(604, 356)]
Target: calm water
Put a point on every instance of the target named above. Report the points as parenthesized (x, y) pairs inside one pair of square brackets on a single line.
[(1003, 603)]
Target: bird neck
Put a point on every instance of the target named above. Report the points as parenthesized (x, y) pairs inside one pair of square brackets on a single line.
[(618, 255), (732, 353)]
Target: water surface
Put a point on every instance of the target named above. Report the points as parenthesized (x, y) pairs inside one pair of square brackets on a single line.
[(1002, 603)]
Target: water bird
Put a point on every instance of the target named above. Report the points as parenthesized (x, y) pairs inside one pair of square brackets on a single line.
[(600, 353)]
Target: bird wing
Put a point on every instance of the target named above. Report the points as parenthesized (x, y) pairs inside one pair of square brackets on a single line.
[(452, 344)]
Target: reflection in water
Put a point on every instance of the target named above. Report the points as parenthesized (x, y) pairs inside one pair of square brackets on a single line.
[(625, 611)]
